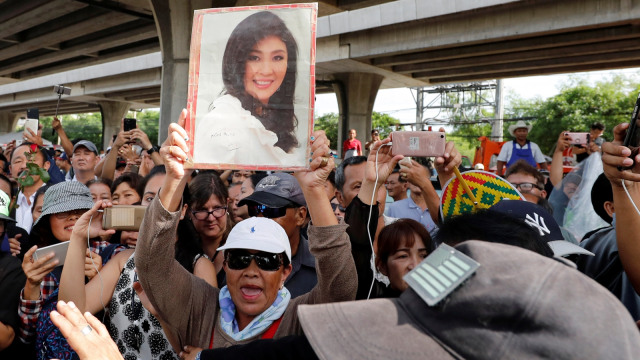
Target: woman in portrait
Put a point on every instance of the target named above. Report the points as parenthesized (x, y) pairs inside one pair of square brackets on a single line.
[(253, 122)]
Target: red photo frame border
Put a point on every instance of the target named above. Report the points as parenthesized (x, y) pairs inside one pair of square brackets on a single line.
[(194, 75)]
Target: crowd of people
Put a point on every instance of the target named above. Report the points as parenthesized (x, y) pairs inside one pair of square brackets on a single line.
[(311, 264)]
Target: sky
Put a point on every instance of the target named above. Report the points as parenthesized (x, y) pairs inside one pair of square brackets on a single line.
[(400, 103)]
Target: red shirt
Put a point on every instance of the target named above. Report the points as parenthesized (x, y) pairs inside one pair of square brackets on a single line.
[(352, 145)]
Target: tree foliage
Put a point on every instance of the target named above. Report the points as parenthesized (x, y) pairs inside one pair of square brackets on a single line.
[(89, 126), (578, 105), (384, 123), (328, 123)]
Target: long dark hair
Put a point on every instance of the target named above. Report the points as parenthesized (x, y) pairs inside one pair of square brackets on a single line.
[(278, 115)]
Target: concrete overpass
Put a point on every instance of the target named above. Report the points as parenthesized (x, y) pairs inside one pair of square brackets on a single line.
[(361, 46)]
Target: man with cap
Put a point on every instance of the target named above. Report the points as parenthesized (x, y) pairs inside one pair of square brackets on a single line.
[(520, 148), (279, 197), (62, 161), (84, 160), (26, 196), (543, 222)]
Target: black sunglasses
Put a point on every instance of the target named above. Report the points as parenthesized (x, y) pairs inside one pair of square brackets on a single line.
[(334, 206), (241, 259), (268, 212)]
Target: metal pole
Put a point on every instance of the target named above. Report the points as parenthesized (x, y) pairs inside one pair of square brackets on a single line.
[(496, 126), (419, 108)]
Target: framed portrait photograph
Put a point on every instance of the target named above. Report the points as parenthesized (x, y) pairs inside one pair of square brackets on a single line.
[(252, 87)]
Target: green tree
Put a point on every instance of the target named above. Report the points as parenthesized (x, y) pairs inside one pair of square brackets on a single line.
[(577, 106), (328, 123), (384, 123), (81, 126), (148, 121)]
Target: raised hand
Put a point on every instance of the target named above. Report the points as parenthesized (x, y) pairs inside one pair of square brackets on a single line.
[(564, 141), (142, 138), (380, 162), (92, 216), (450, 160), (614, 155), (174, 150), (36, 270), (414, 173), (86, 334), (14, 245), (92, 264), (321, 163)]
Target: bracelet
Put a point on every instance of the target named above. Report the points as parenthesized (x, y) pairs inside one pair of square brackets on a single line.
[(198, 356)]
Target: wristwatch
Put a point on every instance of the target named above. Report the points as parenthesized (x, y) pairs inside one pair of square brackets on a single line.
[(152, 149)]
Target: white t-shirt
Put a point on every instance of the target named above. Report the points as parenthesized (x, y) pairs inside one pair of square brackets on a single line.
[(229, 134), (507, 148)]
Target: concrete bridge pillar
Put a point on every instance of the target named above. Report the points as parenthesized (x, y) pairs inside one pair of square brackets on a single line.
[(112, 114), (8, 121), (174, 19), (356, 93)]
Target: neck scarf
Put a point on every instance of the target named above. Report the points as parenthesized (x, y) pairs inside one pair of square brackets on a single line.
[(259, 324)]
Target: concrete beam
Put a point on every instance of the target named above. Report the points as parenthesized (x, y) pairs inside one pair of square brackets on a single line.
[(47, 11), (88, 25), (150, 46), (609, 47), (120, 67), (114, 40), (516, 21)]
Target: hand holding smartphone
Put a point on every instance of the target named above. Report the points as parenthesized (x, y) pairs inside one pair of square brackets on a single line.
[(579, 138), (418, 143), (129, 124), (60, 251), (123, 217), (632, 139)]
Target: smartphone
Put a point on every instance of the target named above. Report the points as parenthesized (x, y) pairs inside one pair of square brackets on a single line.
[(123, 217), (418, 143), (579, 138), (31, 124), (60, 251), (632, 139), (33, 113), (129, 124)]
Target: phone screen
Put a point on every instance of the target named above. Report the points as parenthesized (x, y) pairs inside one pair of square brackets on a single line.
[(129, 124)]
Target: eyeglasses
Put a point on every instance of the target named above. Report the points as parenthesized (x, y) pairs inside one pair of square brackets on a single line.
[(217, 212), (67, 214), (268, 212), (334, 206), (241, 259), (525, 186)]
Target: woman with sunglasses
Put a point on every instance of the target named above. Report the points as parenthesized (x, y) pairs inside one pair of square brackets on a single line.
[(254, 304)]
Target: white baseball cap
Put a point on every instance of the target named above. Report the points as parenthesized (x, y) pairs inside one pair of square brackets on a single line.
[(259, 233)]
